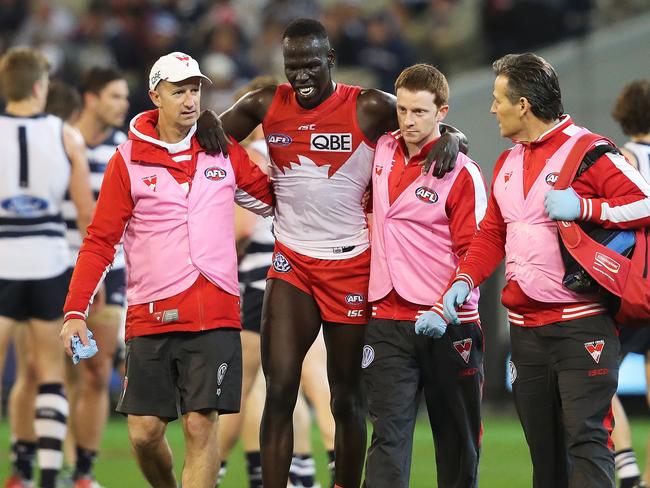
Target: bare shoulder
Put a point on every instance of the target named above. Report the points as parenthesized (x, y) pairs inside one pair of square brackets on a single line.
[(73, 141), (257, 101), (376, 101)]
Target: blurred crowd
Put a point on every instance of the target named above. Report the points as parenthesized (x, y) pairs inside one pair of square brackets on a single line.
[(234, 40)]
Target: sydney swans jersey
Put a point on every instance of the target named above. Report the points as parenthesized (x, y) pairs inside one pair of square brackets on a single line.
[(98, 157), (320, 169), (34, 176)]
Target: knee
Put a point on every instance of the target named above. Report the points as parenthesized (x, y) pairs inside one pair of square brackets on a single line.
[(96, 375), (281, 396), (200, 427), (346, 404), (145, 433)]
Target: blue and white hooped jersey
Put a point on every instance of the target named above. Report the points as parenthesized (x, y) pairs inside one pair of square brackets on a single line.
[(641, 151), (98, 158), (34, 177)]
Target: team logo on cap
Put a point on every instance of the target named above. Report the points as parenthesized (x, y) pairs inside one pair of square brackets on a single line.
[(595, 349), (464, 348), (280, 263), (214, 173), (184, 59), (367, 357), (426, 195), (155, 78)]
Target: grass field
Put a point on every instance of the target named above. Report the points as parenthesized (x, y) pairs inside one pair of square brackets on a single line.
[(504, 462)]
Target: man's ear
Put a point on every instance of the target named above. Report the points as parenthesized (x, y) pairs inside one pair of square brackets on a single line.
[(524, 106), (331, 57), (155, 97)]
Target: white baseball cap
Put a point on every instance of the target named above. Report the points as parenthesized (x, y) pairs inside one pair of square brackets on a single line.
[(173, 67)]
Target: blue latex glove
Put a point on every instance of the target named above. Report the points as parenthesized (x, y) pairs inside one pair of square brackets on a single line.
[(430, 324), (454, 298), (79, 351), (562, 204)]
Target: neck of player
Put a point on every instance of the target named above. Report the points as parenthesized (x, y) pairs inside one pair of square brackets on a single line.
[(170, 132), (92, 129), (415, 148), (24, 108)]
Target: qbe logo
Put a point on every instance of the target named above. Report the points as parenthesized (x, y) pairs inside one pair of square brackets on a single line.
[(281, 264), (214, 173), (354, 298), (426, 195), (551, 178), (331, 142), (277, 139)]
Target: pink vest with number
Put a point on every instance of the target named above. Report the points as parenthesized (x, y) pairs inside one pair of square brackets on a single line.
[(533, 257), (411, 240), (174, 235)]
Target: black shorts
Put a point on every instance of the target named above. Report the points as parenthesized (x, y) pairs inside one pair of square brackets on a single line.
[(34, 299), (115, 283), (251, 309), (182, 372)]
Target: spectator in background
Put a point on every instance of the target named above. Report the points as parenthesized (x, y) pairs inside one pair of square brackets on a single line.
[(632, 112), (64, 101), (385, 52)]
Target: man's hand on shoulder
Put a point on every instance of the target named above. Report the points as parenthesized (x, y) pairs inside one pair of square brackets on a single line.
[(444, 152), (210, 133)]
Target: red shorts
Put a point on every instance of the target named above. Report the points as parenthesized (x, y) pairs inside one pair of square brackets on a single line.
[(339, 286)]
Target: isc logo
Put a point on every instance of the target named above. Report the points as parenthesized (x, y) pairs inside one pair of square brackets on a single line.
[(426, 195), (353, 298), (331, 142), (551, 178), (215, 173), (355, 313), (278, 139)]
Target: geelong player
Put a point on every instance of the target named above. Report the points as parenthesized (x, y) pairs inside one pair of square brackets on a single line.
[(321, 137), (105, 104), (422, 227), (565, 349), (174, 206), (43, 157)]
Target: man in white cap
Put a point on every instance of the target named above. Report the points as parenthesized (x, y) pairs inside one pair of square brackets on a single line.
[(173, 205)]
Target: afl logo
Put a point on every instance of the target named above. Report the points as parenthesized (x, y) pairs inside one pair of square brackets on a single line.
[(279, 139), (215, 173), (354, 298), (280, 263), (367, 357), (426, 195), (551, 178)]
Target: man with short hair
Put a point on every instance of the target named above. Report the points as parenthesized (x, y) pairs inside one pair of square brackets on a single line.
[(174, 206), (42, 158), (564, 344), (321, 137), (422, 227), (105, 104)]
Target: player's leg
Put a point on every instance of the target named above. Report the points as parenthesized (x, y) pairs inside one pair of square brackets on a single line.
[(587, 357), (92, 405), (290, 323), (625, 462), (453, 378), (303, 469), (534, 387), (151, 449), (149, 399), (209, 381), (391, 378), (315, 386), (250, 434), (6, 330)]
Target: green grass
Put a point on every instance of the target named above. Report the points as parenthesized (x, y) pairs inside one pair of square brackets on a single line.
[(504, 462)]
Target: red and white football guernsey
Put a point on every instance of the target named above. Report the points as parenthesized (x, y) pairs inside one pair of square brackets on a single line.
[(321, 167)]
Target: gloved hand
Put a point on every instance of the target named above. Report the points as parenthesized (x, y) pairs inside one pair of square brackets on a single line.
[(79, 351), (457, 294), (430, 324), (562, 204)]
